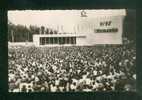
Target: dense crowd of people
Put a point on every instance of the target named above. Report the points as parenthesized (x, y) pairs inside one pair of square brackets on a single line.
[(74, 68)]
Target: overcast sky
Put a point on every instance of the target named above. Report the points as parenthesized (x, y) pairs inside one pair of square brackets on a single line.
[(54, 18)]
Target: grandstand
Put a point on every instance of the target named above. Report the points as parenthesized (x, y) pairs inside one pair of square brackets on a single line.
[(97, 27)]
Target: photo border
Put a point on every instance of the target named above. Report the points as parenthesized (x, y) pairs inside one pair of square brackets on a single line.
[(54, 5)]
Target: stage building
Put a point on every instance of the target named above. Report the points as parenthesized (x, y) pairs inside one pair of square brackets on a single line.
[(89, 27)]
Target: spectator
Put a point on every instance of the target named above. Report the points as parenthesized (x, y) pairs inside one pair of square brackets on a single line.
[(61, 69)]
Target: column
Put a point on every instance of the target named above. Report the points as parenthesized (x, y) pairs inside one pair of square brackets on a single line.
[(44, 40), (49, 40), (57, 40), (65, 40), (69, 40), (53, 40)]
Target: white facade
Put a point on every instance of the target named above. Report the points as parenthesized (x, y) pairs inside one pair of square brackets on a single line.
[(80, 39), (98, 27)]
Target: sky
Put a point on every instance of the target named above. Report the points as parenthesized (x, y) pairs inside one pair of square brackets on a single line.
[(56, 19)]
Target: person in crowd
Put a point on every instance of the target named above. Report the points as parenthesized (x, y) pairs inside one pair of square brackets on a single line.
[(63, 69)]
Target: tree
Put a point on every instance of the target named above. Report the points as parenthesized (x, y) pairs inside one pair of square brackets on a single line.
[(42, 29)]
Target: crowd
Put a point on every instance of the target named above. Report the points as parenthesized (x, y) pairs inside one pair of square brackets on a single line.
[(75, 68)]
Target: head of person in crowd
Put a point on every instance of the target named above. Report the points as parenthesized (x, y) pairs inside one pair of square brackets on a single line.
[(72, 68)]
